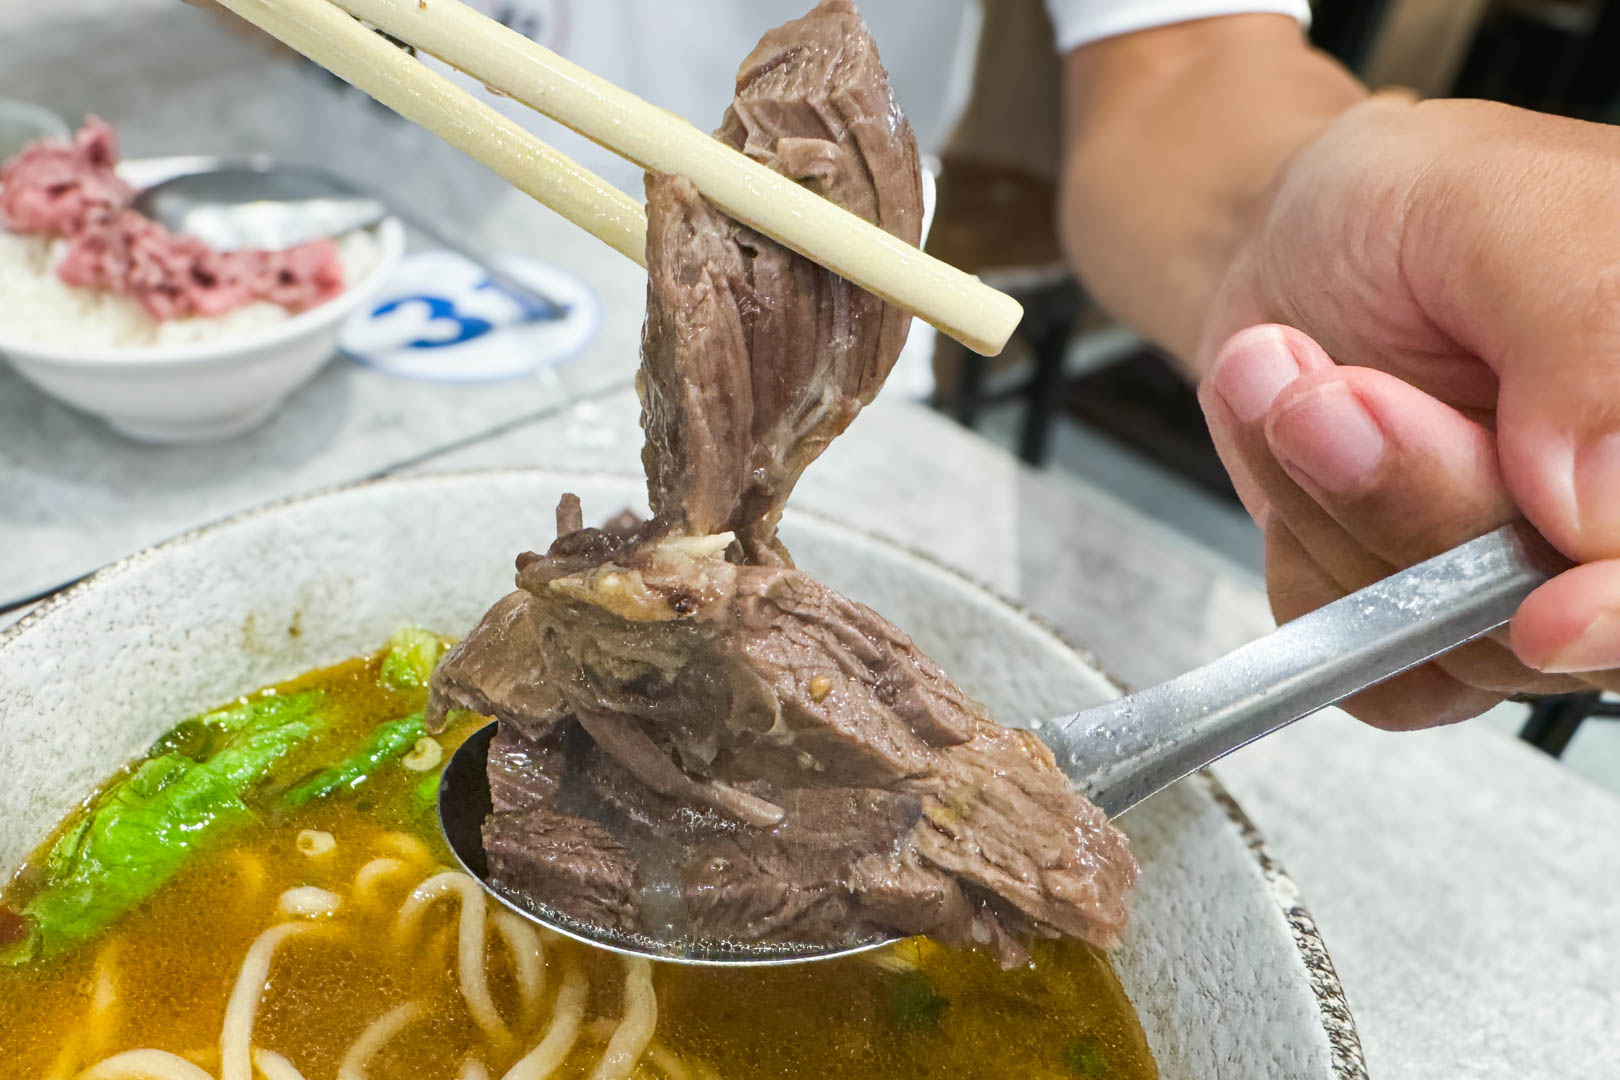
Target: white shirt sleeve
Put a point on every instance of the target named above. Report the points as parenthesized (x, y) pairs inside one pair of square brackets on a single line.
[(1080, 22)]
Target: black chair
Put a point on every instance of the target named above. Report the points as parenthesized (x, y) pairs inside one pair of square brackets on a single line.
[(1554, 720), (1588, 81), (1346, 29), (1000, 222)]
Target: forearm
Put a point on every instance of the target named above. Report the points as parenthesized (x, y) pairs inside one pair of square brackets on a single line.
[(1172, 137)]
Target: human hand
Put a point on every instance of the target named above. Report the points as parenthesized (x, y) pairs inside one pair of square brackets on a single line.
[(1460, 264)]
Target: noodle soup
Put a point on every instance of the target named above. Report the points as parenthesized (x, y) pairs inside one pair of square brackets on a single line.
[(266, 895)]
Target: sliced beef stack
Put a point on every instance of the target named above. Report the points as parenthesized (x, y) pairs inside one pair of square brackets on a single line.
[(698, 739), (754, 358)]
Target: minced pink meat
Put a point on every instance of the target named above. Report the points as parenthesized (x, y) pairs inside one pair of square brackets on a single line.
[(70, 190), (57, 187), (175, 276)]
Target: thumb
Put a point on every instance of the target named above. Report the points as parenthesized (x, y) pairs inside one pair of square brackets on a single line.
[(1558, 438)]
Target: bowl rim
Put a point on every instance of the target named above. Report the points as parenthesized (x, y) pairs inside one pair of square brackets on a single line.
[(390, 236), (1338, 1023)]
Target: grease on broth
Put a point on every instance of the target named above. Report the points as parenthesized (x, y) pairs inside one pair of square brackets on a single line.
[(161, 976)]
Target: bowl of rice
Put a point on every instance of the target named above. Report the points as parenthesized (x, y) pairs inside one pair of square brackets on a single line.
[(82, 319)]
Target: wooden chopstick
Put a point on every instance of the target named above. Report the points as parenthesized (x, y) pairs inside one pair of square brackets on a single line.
[(333, 39), (957, 303)]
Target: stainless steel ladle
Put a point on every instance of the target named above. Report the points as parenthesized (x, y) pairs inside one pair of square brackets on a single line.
[(1122, 752)]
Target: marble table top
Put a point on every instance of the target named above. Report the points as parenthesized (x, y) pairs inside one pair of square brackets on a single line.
[(73, 494), (1465, 884)]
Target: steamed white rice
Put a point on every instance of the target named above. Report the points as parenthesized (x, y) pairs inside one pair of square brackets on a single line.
[(38, 307)]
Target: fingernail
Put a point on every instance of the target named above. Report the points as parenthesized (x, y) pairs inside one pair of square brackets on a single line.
[(1327, 437), (1597, 648), (1252, 370), (1597, 494)]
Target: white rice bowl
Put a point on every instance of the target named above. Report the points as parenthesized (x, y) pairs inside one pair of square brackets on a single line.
[(177, 380), (42, 309)]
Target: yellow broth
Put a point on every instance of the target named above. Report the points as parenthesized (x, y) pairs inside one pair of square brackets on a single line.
[(160, 977)]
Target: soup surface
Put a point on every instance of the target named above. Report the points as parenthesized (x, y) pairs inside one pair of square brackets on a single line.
[(266, 894)]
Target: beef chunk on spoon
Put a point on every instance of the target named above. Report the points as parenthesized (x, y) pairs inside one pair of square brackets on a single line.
[(702, 751)]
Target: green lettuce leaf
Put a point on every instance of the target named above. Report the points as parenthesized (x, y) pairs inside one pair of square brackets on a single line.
[(412, 655), (387, 742), (140, 832)]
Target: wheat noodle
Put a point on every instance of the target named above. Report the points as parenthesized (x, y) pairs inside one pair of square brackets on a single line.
[(376, 1035), (275, 1067), (470, 954), (635, 1030), (559, 1039), (236, 1037), (144, 1065)]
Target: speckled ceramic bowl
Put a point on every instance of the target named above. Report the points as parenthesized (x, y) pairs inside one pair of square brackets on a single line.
[(1223, 962)]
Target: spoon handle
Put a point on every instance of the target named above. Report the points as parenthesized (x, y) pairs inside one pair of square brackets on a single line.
[(542, 305), (1124, 751)]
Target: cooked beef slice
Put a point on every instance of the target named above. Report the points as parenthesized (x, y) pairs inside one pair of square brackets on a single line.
[(543, 853), (758, 700), (538, 849), (524, 773), (697, 738), (753, 357), (796, 881)]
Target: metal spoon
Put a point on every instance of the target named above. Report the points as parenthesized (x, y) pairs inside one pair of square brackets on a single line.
[(1126, 750), (259, 202)]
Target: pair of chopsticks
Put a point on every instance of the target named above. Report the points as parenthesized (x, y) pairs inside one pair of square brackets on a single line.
[(326, 31)]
